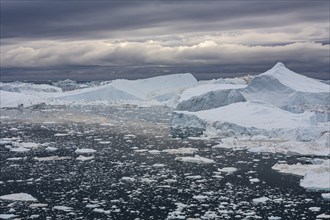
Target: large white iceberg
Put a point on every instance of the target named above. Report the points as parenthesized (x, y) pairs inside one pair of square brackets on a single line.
[(278, 106), (28, 88), (162, 89), (285, 88), (252, 118), (14, 99)]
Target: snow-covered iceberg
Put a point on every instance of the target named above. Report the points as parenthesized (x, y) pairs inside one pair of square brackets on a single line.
[(279, 105), (285, 88), (251, 118), (28, 88), (14, 99), (161, 89)]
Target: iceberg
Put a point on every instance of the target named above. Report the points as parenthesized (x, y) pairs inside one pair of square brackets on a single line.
[(250, 118), (214, 96), (285, 88), (160, 89)]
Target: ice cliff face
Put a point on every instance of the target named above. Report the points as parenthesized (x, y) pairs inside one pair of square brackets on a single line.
[(211, 100)]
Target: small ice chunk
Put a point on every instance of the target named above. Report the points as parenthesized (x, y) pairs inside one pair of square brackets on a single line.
[(104, 142), (85, 151), (187, 150), (314, 209), (98, 210), (274, 218), (323, 216), (18, 197), (326, 196), (7, 216), (83, 158), (51, 149), (51, 158), (228, 170), (200, 197), (63, 208), (20, 149), (60, 135), (126, 178), (254, 180), (92, 205), (260, 200), (37, 205), (197, 159), (154, 151), (29, 145)]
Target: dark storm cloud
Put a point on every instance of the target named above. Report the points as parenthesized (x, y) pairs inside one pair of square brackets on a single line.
[(132, 39), (89, 19)]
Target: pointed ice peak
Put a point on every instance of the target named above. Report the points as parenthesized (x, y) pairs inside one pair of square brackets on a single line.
[(279, 65), (294, 80)]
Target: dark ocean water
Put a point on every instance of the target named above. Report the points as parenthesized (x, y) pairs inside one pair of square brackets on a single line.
[(130, 178)]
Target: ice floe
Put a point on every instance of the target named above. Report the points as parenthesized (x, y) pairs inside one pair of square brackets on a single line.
[(18, 197)]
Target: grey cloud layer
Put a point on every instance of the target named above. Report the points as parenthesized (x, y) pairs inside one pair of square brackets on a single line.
[(53, 34), (153, 53), (89, 19)]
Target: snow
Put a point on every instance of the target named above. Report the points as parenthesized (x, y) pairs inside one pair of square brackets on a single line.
[(18, 197), (85, 151), (197, 159)]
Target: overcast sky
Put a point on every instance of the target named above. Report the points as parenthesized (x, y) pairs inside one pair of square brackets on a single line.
[(87, 40)]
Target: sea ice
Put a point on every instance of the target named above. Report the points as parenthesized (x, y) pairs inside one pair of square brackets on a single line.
[(197, 159), (18, 197)]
